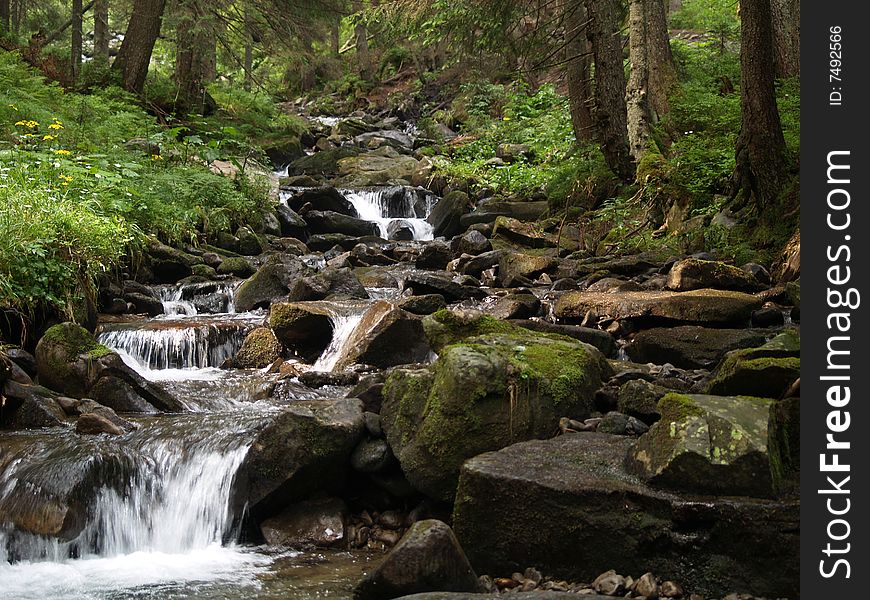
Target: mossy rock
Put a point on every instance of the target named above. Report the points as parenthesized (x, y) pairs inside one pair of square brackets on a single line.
[(640, 398), (694, 274), (484, 394), (260, 349), (236, 265), (305, 327), (58, 353), (767, 371), (204, 271), (446, 327), (271, 281), (711, 444)]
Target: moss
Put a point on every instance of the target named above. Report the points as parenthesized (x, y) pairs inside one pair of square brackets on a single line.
[(236, 265), (99, 352), (765, 376), (75, 340), (676, 407)]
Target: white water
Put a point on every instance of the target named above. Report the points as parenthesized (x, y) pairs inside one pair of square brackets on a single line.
[(372, 206), (178, 301), (343, 327)]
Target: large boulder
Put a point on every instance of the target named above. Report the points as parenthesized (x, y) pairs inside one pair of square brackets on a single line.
[(319, 523), (271, 282), (445, 216), (598, 338), (715, 307), (427, 558), (690, 346), (29, 407), (483, 394), (385, 337), (382, 166), (329, 284), (766, 371), (260, 349), (514, 267), (333, 222), (305, 327), (321, 163), (710, 444), (304, 449), (487, 211), (694, 274), (568, 506), (322, 199)]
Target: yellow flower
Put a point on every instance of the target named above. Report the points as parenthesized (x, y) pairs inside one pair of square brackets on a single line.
[(156, 157), (66, 178), (63, 152), (47, 138), (56, 125), (28, 124), (506, 119)]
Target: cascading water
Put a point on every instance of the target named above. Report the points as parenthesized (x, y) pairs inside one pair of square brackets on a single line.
[(343, 326), (393, 208), (198, 298)]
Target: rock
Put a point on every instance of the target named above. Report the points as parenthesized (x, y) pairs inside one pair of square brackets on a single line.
[(434, 256), (397, 139), (170, 264), (329, 284), (284, 152), (372, 455), (305, 327), (689, 347), (639, 398), (531, 235), (63, 358), (788, 265), (598, 338), (96, 424), (482, 395), (423, 283), (516, 306), (226, 241), (615, 423), (487, 211), (427, 558), (768, 316), (23, 359), (382, 166), (272, 281), (536, 595), (472, 242), (319, 523), (749, 373), (319, 379), (236, 265), (321, 163), (513, 266), (609, 584), (322, 199), (259, 350), (700, 306), (568, 506), (693, 274), (647, 586), (513, 152), (86, 406), (29, 407), (249, 243), (370, 390), (445, 216), (400, 231), (143, 304), (710, 444), (423, 305), (303, 449), (482, 262), (669, 589), (204, 271), (292, 224), (373, 424), (332, 222), (354, 126)]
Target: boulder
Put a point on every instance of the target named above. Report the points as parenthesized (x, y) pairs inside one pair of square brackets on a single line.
[(445, 215), (305, 327), (471, 242), (690, 346), (482, 262), (292, 224), (427, 558), (424, 283), (714, 307), (333, 222), (484, 394), (534, 595), (329, 284), (487, 211), (766, 371), (397, 139), (514, 266), (372, 455), (259, 350), (29, 407), (249, 242), (531, 235), (64, 355), (322, 199), (96, 424), (318, 523), (401, 231), (596, 337), (304, 449), (423, 305), (321, 163), (640, 399), (385, 337), (693, 274), (382, 166), (235, 265), (87, 406), (523, 305), (23, 359), (434, 256), (568, 506), (272, 281), (144, 304), (712, 445), (170, 264), (284, 152)]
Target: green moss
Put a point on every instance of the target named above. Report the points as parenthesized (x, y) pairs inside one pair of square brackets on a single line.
[(99, 352), (676, 407), (75, 340)]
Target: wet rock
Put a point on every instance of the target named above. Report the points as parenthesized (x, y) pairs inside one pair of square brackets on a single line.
[(690, 347), (385, 337), (249, 243), (615, 423), (333, 222), (329, 284), (768, 316), (710, 444), (292, 224), (304, 449), (63, 358), (259, 350), (319, 523), (445, 216), (272, 281), (303, 327), (23, 359), (424, 283), (516, 306), (87, 406), (204, 271), (170, 264), (483, 395), (428, 558), (487, 211), (423, 305), (372, 455), (766, 371), (29, 407), (472, 242), (143, 304), (481, 263), (596, 337), (382, 166), (434, 256), (400, 231), (319, 379), (600, 517), (701, 306), (370, 390), (96, 424), (515, 266), (321, 163), (639, 398), (693, 274)]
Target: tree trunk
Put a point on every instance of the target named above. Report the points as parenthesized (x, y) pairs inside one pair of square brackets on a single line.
[(786, 16), (362, 43), (672, 6), (76, 46), (762, 166), (335, 37), (101, 32), (18, 8), (636, 96), (610, 109), (194, 58), (660, 59), (577, 72), (5, 16), (135, 53)]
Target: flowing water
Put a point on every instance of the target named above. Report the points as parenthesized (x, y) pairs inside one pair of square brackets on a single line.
[(388, 208)]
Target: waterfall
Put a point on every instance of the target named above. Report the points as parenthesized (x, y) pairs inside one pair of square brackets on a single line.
[(395, 207), (343, 327), (192, 299)]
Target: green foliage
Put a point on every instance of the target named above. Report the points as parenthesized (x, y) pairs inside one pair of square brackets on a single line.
[(716, 17)]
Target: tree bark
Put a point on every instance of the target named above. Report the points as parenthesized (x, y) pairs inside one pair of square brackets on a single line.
[(194, 57), (637, 96), (362, 43), (101, 32), (335, 36), (761, 163), (76, 46), (577, 72), (786, 17), (249, 52), (660, 59), (135, 53), (5, 16), (610, 109)]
